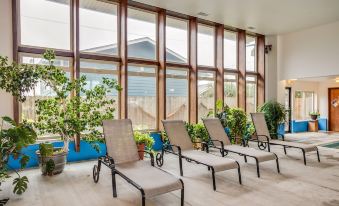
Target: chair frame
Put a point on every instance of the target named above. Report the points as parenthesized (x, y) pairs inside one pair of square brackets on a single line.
[(109, 162), (167, 148), (262, 145)]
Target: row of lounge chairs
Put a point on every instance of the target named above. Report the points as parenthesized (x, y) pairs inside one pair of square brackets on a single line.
[(122, 155)]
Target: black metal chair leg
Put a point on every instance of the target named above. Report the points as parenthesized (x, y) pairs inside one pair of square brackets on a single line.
[(143, 201), (239, 173), (213, 177), (258, 170), (182, 193), (318, 155), (114, 186), (180, 165), (208, 168), (268, 147), (245, 158), (277, 160), (304, 155), (285, 150)]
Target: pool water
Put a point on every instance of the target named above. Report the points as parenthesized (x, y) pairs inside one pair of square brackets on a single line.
[(334, 145)]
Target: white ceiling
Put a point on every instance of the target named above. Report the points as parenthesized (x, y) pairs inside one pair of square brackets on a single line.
[(267, 16)]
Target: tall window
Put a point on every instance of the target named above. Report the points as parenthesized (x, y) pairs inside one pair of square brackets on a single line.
[(177, 94), (206, 36), (251, 53), (95, 71), (251, 94), (304, 103), (206, 94), (176, 40), (45, 23), (141, 34), (41, 91), (230, 49), (98, 27), (142, 96), (231, 90)]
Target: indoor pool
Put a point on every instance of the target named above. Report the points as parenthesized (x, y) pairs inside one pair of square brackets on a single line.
[(333, 145)]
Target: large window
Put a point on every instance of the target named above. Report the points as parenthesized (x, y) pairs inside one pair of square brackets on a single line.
[(177, 94), (206, 45), (41, 91), (95, 71), (176, 40), (230, 50), (304, 103), (142, 96), (231, 89), (251, 94), (45, 23), (251, 53), (141, 34), (98, 27), (206, 94)]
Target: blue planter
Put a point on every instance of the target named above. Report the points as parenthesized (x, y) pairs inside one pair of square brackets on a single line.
[(86, 152), (157, 141)]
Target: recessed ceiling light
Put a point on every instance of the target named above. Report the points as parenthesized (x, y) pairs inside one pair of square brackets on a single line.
[(251, 28), (202, 14)]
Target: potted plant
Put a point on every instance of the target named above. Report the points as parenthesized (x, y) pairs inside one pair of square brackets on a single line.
[(143, 140), (197, 133), (237, 124), (14, 137), (314, 115)]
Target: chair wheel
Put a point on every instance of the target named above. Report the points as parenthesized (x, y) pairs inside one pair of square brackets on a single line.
[(159, 159), (262, 145), (96, 173)]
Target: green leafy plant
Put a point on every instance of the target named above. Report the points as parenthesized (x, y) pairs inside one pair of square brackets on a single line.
[(316, 113), (46, 149), (275, 114), (197, 132), (221, 112), (12, 140), (144, 138), (237, 123)]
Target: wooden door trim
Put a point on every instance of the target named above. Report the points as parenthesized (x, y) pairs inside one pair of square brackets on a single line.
[(329, 106)]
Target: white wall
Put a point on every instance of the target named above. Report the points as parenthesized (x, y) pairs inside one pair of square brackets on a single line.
[(309, 53), (271, 69), (6, 104)]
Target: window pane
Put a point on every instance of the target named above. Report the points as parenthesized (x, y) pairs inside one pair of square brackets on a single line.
[(251, 94), (177, 94), (141, 34), (176, 40), (142, 97), (41, 91), (231, 90), (45, 23), (95, 71), (205, 45), (206, 93), (250, 53), (230, 50), (303, 104), (98, 27)]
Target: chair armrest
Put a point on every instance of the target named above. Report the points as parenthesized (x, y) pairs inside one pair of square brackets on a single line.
[(176, 146), (267, 138), (221, 142), (151, 155)]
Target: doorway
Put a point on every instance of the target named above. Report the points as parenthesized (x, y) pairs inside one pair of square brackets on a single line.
[(288, 104), (333, 109)]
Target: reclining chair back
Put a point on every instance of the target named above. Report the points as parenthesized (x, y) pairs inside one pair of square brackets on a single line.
[(120, 142), (177, 134), (260, 126), (216, 131)]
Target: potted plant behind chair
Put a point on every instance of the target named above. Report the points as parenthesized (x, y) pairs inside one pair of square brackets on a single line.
[(314, 115), (237, 123), (275, 114), (143, 141)]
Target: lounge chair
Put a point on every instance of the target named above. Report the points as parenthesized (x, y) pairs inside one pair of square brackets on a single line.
[(123, 159), (220, 141), (264, 139), (182, 146)]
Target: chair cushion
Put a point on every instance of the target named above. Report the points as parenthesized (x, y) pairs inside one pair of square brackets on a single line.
[(217, 162), (260, 155), (154, 181), (306, 147)]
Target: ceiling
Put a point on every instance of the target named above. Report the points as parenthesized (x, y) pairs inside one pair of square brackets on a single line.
[(269, 17), (321, 79)]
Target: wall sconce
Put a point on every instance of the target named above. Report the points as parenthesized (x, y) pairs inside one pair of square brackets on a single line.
[(290, 82), (268, 48)]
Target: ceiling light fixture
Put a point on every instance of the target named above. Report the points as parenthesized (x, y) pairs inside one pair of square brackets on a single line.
[(202, 14)]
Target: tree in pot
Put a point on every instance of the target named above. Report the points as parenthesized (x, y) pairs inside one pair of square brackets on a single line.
[(143, 141), (275, 114), (236, 121)]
